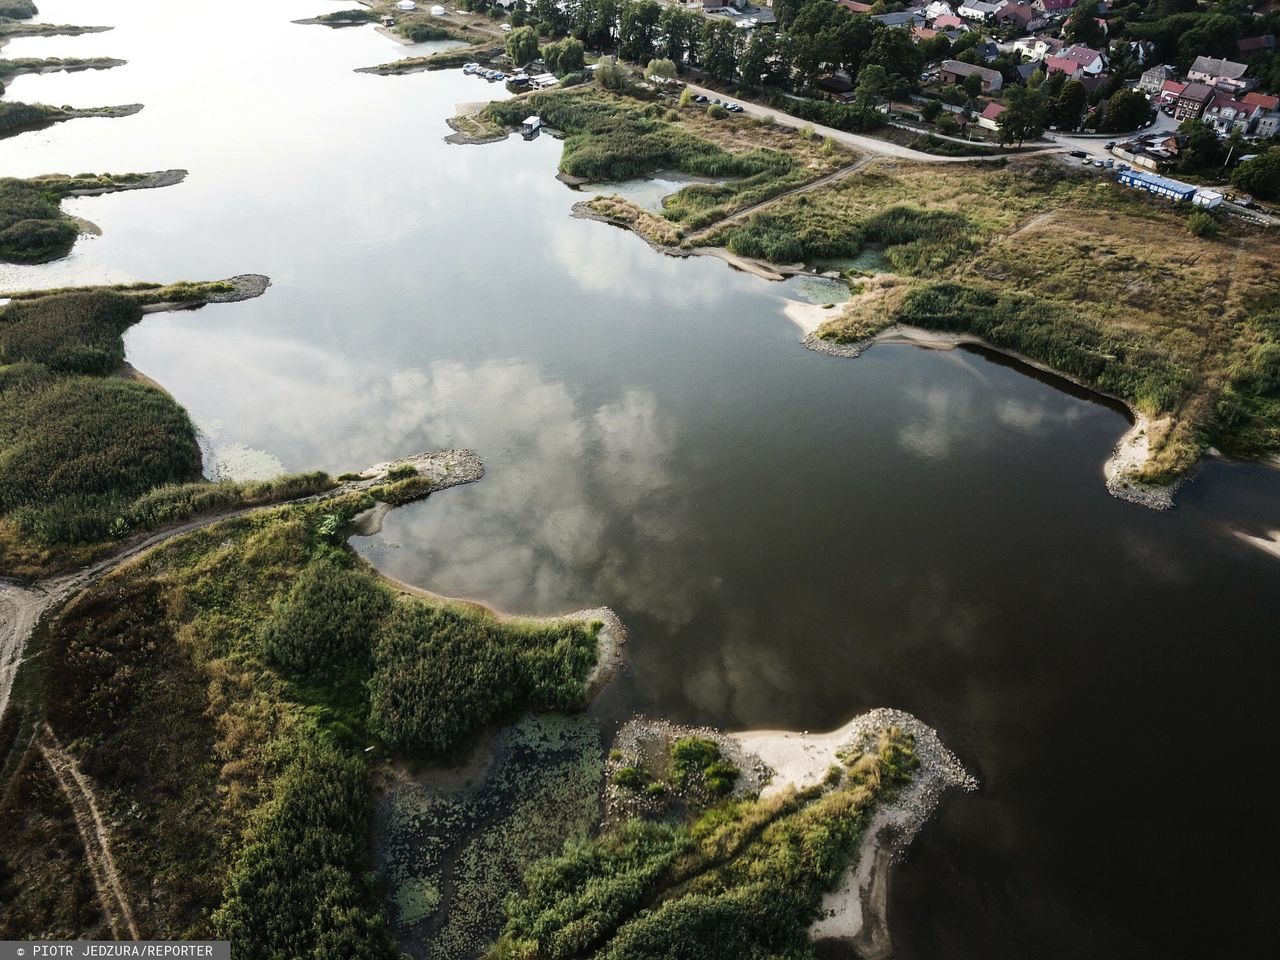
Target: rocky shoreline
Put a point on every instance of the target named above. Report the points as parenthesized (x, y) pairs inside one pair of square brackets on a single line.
[(147, 181)]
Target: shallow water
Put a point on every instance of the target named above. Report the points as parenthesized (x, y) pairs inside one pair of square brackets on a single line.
[(792, 538)]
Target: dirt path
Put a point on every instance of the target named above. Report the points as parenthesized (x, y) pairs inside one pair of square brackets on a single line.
[(93, 833), (865, 143), (23, 606), (703, 234)]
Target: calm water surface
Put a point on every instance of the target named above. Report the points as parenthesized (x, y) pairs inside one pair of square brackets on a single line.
[(792, 538)]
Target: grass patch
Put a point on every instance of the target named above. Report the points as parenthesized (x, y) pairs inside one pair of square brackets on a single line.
[(740, 879)]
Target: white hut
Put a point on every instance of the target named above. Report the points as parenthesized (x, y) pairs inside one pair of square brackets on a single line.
[(437, 11), (406, 5), (531, 125)]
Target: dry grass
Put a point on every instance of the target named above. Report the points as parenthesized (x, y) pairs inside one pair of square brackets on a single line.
[(624, 213)]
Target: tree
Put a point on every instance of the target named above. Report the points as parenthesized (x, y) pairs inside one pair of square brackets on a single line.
[(872, 82), (522, 45), (610, 74), (1025, 116), (972, 85), (638, 31), (1260, 176), (1068, 106), (1127, 110), (663, 70), (564, 56), (1082, 25), (718, 48), (676, 30), (1202, 149), (754, 65), (930, 109)]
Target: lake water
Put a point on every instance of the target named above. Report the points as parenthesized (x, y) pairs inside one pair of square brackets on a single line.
[(791, 538)]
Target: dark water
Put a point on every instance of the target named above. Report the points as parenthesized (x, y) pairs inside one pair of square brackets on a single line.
[(791, 538)]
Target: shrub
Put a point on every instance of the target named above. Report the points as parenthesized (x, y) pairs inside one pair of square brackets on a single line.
[(420, 32), (68, 332), (1202, 223), (322, 632), (17, 9), (85, 436), (440, 673), (717, 112)]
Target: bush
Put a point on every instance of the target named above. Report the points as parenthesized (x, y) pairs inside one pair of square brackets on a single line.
[(32, 227), (14, 116), (717, 112), (1260, 176), (420, 32), (68, 332), (440, 673), (1202, 223), (17, 9), (84, 436), (322, 632), (299, 889)]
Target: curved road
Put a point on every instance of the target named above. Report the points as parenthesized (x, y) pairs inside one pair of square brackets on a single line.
[(859, 141)]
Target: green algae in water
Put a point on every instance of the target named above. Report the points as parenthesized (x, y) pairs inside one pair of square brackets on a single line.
[(451, 857)]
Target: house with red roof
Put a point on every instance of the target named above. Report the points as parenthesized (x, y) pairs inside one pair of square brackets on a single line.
[(1050, 7), (1021, 13), (1263, 100), (990, 115), (1091, 61), (1170, 91)]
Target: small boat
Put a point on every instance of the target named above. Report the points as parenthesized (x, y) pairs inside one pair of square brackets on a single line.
[(470, 67)]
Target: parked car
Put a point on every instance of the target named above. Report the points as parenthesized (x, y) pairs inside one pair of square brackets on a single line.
[(733, 107), (700, 99), (1109, 164), (1110, 145), (1087, 162), (1078, 154)]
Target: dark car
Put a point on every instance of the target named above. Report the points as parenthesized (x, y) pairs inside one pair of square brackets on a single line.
[(699, 99), (1078, 154), (1110, 144)]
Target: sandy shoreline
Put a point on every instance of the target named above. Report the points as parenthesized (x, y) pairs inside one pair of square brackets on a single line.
[(856, 911)]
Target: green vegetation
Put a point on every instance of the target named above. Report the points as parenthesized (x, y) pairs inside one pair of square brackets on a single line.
[(219, 683), (420, 31), (1064, 270), (16, 116), (17, 9), (346, 18), (697, 766), (744, 878), (33, 228), (442, 671), (1260, 175), (87, 458), (15, 66)]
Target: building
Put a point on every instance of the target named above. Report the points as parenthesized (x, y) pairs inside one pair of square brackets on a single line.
[(990, 115), (1051, 7), (936, 9), (531, 125), (1091, 61), (1174, 190), (1226, 114), (1256, 46), (1054, 65), (1037, 48), (903, 18), (1226, 75), (953, 71), (1268, 125), (1192, 101), (1022, 14), (723, 4), (1265, 101), (1153, 80), (855, 6), (949, 20), (980, 10)]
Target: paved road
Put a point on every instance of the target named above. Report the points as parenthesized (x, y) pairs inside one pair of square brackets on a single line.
[(858, 141)]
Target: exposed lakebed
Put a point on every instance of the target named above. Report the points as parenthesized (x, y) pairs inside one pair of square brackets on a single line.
[(790, 538)]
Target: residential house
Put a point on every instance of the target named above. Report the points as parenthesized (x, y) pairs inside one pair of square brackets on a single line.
[(904, 18), (980, 10), (938, 8), (1226, 114), (854, 6), (949, 21), (1022, 14), (920, 34), (1169, 93), (1226, 75), (1091, 61), (1037, 48), (1192, 101), (1267, 102), (986, 52), (1153, 79), (1065, 65), (1255, 46), (1051, 7), (990, 115), (953, 71), (1025, 71), (1268, 124)]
